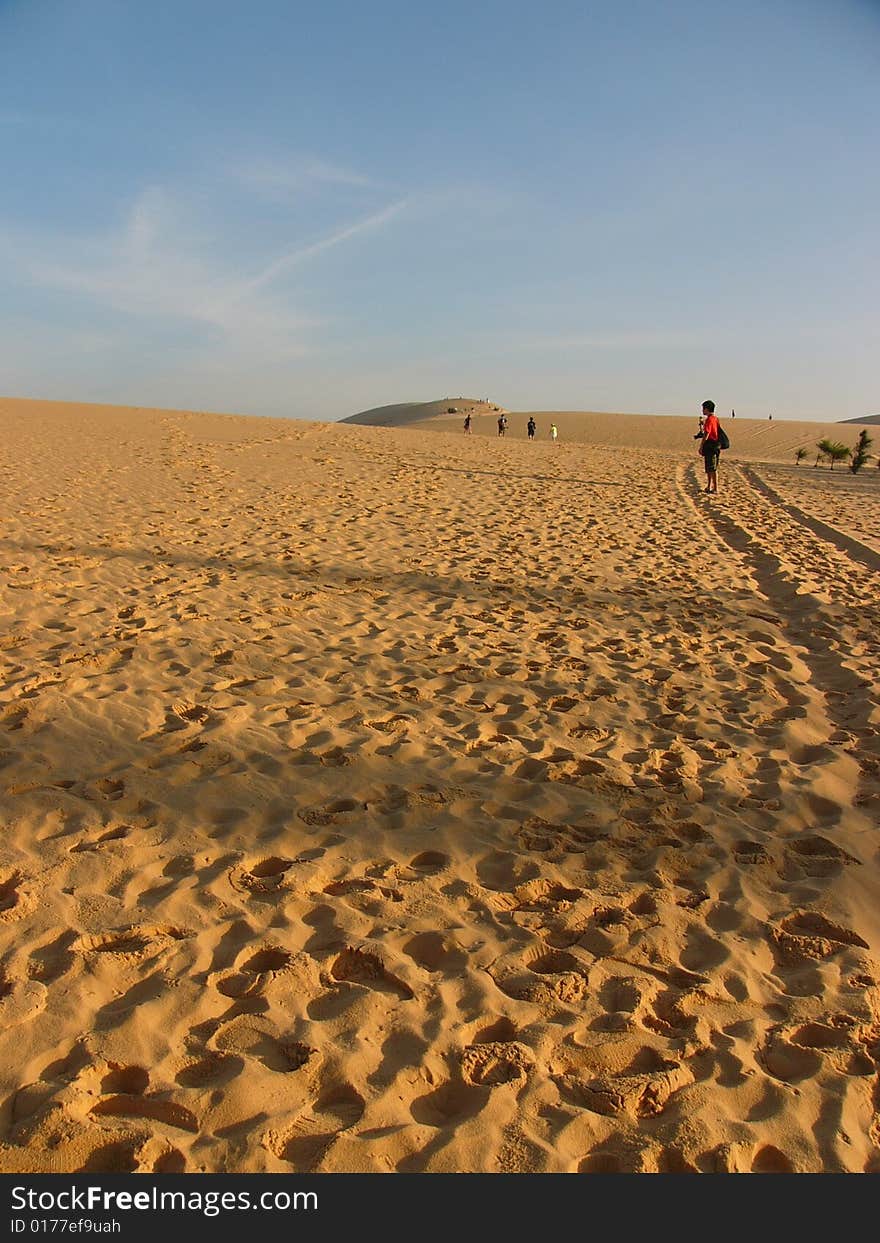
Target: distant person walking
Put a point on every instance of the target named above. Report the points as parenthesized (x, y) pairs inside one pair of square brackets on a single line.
[(554, 431), (531, 428), (502, 424), (467, 424), (709, 446)]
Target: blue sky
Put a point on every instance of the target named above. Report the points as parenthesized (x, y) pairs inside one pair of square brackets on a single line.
[(301, 210)]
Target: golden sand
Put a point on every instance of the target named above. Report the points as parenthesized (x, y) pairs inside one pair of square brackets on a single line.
[(394, 800)]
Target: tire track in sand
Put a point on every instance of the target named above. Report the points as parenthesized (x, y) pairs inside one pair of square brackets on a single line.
[(850, 703), (854, 548)]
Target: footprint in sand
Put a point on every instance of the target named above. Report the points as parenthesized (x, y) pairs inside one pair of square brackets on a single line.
[(356, 966), (363, 894), (450, 1104), (645, 904), (135, 941), (545, 976), (263, 877), (336, 757), (253, 973), (15, 900), (396, 724), (109, 789), (190, 713), (643, 1090), (330, 813), (546, 896), (14, 717), (20, 999), (770, 1160), (213, 1070), (620, 995), (429, 863), (818, 856), (307, 1141), (503, 872), (123, 1092), (807, 935), (114, 834), (156, 1109), (436, 953), (53, 960), (490, 1063), (751, 852), (256, 1037), (668, 1018)]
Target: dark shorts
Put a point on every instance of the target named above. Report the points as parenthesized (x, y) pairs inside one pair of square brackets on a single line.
[(711, 454)]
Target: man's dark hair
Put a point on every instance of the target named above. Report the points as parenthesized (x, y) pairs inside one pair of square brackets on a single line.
[(710, 406)]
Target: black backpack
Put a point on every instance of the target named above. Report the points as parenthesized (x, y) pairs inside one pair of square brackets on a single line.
[(723, 438)]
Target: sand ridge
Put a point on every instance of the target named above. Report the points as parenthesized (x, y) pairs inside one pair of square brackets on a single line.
[(763, 440), (393, 800)]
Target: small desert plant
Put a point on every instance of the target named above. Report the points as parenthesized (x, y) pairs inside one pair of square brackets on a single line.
[(833, 450), (860, 453), (799, 456)]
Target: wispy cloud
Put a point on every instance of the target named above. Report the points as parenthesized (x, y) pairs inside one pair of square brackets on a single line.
[(638, 339), (291, 258), (285, 177), (145, 270), (151, 266)]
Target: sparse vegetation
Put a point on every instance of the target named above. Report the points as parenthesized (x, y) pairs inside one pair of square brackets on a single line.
[(833, 450), (799, 456), (860, 454)]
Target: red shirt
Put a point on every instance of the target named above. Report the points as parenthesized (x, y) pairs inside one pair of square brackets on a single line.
[(710, 427)]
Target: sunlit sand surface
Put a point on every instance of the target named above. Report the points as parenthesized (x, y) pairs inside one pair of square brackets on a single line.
[(386, 799)]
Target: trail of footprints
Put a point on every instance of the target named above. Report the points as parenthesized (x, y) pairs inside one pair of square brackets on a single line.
[(618, 992), (644, 1003)]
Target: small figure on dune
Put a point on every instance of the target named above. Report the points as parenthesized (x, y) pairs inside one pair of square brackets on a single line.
[(554, 431), (467, 424), (502, 424), (531, 428)]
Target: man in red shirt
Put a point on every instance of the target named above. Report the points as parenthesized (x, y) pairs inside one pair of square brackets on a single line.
[(709, 448)]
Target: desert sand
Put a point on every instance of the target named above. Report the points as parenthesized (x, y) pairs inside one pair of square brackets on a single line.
[(385, 799)]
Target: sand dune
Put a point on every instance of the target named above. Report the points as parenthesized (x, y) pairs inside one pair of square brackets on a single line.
[(765, 440), (392, 800), (751, 439), (403, 414)]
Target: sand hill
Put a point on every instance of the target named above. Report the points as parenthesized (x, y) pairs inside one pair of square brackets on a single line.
[(405, 413), (391, 800), (751, 439)]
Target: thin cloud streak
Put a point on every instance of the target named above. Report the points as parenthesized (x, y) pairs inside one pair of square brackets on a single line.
[(145, 270), (293, 257), (281, 178), (613, 341)]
